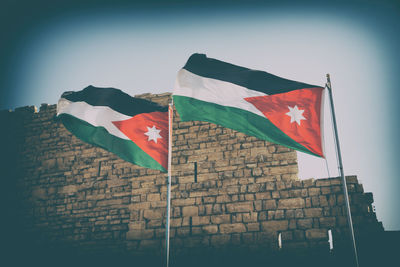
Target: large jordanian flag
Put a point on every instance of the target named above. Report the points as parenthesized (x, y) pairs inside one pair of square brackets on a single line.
[(134, 129), (253, 102)]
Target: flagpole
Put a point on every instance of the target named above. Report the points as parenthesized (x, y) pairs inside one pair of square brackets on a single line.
[(167, 224), (344, 185)]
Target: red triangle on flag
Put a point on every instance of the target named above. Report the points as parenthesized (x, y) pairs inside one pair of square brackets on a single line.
[(296, 113), (149, 131)]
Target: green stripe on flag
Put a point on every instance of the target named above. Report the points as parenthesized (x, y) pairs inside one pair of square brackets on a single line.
[(234, 118)]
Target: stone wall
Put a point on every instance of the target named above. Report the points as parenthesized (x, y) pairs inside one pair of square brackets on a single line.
[(230, 192)]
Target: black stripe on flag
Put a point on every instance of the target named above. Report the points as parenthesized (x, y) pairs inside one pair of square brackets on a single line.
[(256, 80), (115, 99)]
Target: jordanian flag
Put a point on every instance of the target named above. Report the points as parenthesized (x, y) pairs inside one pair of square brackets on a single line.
[(134, 129), (253, 102)]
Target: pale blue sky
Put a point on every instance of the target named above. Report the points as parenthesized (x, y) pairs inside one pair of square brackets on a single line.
[(140, 50)]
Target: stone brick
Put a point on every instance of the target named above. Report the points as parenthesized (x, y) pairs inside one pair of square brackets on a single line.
[(183, 202), (316, 234), (140, 234), (327, 221), (200, 220), (68, 189), (299, 213), (291, 203), (253, 227), (275, 194), (313, 212), (292, 224), (325, 190), (153, 197), (279, 214), (153, 214), (210, 229), (308, 182), (250, 217), (274, 226), (295, 193), (284, 194), (323, 182), (314, 191), (240, 207), (232, 228), (190, 211), (140, 225), (323, 201), (304, 223), (287, 235), (290, 214), (269, 204)]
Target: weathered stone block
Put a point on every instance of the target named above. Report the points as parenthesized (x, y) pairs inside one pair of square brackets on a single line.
[(232, 228), (275, 194), (210, 229), (327, 222), (284, 194), (253, 227), (314, 191), (304, 223), (287, 235), (274, 226), (153, 197), (299, 213), (139, 234), (290, 214), (68, 189), (200, 220), (313, 212), (269, 204), (279, 214), (291, 203), (323, 182), (183, 202), (316, 234), (153, 214), (308, 182), (240, 207), (250, 217), (190, 211)]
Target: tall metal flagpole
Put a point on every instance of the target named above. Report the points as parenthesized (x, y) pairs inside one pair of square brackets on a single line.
[(345, 192), (167, 223)]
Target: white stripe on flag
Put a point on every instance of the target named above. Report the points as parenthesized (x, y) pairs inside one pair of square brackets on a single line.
[(94, 115), (215, 91)]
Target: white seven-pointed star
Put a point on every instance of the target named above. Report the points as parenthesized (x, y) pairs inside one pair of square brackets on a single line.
[(153, 133), (295, 114)]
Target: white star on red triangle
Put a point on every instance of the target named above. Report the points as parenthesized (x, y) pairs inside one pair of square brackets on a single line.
[(153, 133), (296, 114)]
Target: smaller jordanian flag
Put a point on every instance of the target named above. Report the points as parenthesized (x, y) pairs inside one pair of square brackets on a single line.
[(135, 129), (253, 102)]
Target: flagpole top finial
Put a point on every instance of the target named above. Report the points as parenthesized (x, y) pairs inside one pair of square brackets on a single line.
[(328, 81)]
